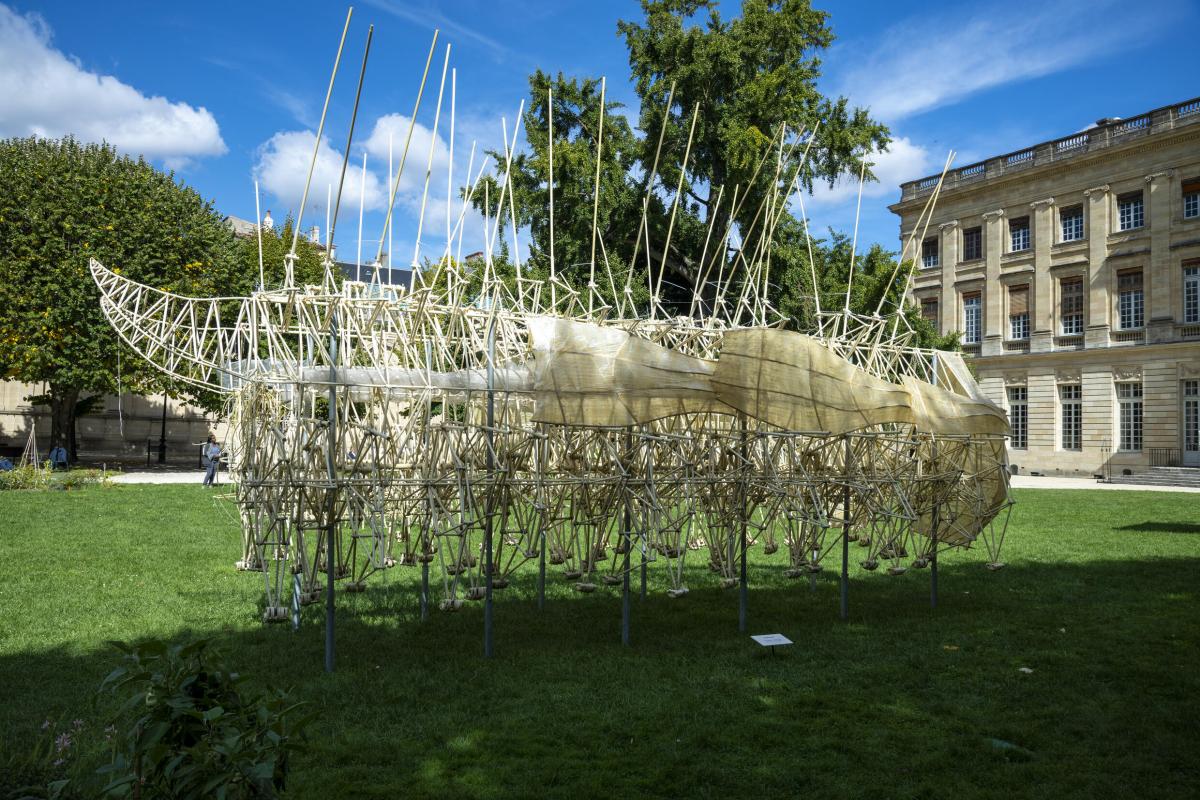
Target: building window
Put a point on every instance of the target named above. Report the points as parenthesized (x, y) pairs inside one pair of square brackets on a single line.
[(1130, 211), (1131, 307), (1191, 294), (1018, 234), (1070, 318), (1191, 416), (1070, 398), (929, 253), (1129, 401), (1071, 220), (972, 244), (1018, 312), (929, 311), (971, 309), (1018, 417), (1191, 198)]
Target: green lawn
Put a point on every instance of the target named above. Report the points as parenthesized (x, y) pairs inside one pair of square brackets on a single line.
[(1100, 600)]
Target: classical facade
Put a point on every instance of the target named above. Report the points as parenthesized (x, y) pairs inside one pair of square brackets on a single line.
[(1072, 269), (121, 431)]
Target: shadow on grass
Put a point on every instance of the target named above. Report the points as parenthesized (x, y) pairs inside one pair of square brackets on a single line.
[(879, 705), (1161, 527)]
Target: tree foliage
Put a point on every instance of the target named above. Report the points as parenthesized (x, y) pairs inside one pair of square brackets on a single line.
[(63, 202), (577, 140), (751, 82)]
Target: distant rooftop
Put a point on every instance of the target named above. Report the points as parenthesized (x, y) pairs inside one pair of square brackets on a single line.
[(393, 276), (1107, 132)]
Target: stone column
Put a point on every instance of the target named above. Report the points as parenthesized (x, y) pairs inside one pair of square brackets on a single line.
[(993, 299), (948, 250), (1160, 321), (1098, 278), (1041, 315)]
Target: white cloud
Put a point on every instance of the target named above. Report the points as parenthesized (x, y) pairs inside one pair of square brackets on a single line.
[(45, 92), (282, 166), (924, 63), (904, 160), (393, 128)]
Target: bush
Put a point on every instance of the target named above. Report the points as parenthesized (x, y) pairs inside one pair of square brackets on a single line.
[(43, 478), (42, 770), (191, 729)]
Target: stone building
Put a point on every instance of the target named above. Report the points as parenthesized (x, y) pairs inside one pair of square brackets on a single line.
[(1072, 269)]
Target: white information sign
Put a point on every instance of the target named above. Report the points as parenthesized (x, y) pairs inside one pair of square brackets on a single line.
[(771, 639)]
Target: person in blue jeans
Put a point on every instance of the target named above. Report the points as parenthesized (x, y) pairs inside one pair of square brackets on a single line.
[(212, 460), (58, 457)]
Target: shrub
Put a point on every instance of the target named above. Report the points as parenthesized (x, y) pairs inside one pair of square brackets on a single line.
[(41, 769), (192, 729), (43, 478)]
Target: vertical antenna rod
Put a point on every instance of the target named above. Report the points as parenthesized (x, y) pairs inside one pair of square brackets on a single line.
[(596, 203), (317, 145), (387, 222), (350, 138), (258, 217), (854, 242)]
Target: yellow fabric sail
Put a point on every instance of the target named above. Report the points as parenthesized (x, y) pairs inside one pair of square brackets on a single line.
[(594, 376)]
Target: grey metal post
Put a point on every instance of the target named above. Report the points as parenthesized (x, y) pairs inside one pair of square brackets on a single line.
[(424, 589), (626, 522), (625, 581), (933, 565), (812, 576), (846, 535), (331, 468), (296, 601), (643, 593), (541, 579), (491, 466), (743, 589)]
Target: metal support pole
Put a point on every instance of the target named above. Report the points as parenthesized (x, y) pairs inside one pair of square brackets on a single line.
[(933, 565), (845, 611), (625, 582), (743, 589), (331, 468), (491, 467), (424, 590), (296, 601), (626, 522), (162, 433), (643, 592), (541, 579), (812, 576)]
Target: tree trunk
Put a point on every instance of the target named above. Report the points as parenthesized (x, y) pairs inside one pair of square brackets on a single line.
[(62, 416)]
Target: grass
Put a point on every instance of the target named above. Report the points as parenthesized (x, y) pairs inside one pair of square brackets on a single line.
[(1100, 600)]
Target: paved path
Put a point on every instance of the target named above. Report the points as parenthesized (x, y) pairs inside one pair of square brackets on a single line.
[(1018, 482), (1031, 482), (195, 476)]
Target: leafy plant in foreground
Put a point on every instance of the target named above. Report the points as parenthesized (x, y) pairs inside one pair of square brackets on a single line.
[(192, 728)]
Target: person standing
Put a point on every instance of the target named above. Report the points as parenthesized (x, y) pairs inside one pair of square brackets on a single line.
[(212, 460)]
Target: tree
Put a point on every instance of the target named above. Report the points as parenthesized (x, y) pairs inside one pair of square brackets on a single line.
[(63, 202), (276, 243), (750, 83), (876, 277), (576, 112), (749, 77)]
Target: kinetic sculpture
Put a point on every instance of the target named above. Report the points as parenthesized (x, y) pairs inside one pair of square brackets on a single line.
[(472, 431)]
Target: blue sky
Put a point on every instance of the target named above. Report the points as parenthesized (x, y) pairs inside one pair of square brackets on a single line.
[(228, 92)]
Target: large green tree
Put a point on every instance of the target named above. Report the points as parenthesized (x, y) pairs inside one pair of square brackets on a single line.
[(753, 79), (751, 84), (63, 202), (578, 144)]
